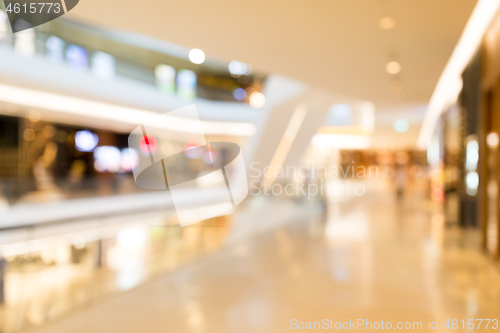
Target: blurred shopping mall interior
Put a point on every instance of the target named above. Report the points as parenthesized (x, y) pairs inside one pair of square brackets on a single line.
[(264, 166)]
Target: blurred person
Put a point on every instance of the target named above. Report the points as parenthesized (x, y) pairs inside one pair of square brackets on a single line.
[(44, 178), (76, 173), (322, 197), (400, 180)]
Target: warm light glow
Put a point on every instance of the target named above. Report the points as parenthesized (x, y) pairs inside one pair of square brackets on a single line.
[(492, 140), (386, 23), (257, 100), (196, 56), (393, 67), (34, 116), (450, 82)]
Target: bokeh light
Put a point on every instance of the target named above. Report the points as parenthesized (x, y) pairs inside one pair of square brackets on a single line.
[(107, 159), (393, 67), (257, 100), (86, 140), (148, 144), (239, 94), (196, 56)]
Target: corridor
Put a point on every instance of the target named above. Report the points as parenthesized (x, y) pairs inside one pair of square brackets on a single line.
[(373, 258)]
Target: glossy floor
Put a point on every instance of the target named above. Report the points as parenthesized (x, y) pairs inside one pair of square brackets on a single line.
[(373, 258)]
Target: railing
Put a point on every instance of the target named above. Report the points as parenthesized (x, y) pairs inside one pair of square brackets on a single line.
[(55, 267)]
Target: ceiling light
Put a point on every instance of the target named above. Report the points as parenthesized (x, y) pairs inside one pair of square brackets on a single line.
[(401, 125), (386, 23), (393, 67), (196, 56)]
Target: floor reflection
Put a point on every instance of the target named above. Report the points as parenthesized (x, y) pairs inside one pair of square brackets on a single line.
[(374, 257)]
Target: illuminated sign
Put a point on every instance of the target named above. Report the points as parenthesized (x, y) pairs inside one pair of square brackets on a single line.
[(55, 49), (165, 78), (76, 57), (186, 84)]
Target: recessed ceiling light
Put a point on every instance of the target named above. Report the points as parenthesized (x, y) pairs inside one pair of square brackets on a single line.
[(386, 23), (393, 67), (196, 56)]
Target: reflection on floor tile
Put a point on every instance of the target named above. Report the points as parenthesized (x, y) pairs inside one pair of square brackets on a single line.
[(373, 258)]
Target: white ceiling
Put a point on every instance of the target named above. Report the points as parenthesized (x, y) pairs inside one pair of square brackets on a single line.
[(336, 44)]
